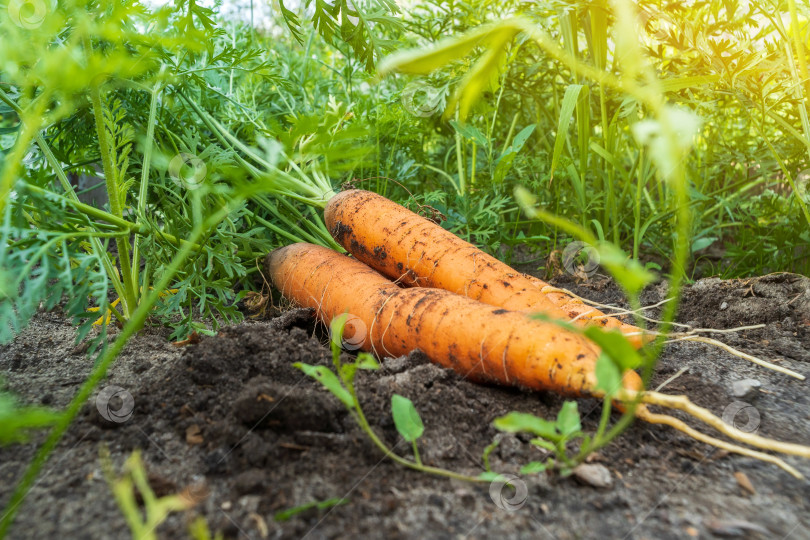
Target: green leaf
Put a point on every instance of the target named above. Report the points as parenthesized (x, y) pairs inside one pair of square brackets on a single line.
[(522, 136), (627, 271), (7, 292), (348, 371), (476, 80), (336, 327), (674, 84), (420, 61), (16, 421), (545, 444), (367, 361), (515, 422), (406, 418), (534, 467), (702, 243), (608, 376), (489, 476), (470, 133), (568, 419), (504, 162), (329, 380), (569, 102), (614, 344)]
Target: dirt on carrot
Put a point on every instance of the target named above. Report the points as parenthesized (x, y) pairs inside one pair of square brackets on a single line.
[(478, 341), (417, 252), (664, 485)]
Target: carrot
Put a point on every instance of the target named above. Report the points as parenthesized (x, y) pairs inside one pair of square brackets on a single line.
[(417, 252), (576, 309), (478, 341)]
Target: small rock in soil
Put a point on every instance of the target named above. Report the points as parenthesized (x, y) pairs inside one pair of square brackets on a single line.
[(251, 481), (594, 475), (395, 365), (745, 387), (734, 528), (744, 482)]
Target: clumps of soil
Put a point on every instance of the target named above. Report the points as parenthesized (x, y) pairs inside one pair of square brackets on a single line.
[(776, 298), (780, 301)]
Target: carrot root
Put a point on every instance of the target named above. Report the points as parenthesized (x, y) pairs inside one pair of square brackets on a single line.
[(681, 426), (740, 354), (684, 336), (682, 403), (479, 341)]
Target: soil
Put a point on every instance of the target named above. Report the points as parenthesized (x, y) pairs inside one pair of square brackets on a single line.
[(232, 422)]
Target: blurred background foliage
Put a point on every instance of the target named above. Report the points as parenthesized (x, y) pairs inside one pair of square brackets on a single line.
[(284, 95)]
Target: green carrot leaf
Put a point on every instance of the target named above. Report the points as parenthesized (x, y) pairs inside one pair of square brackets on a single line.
[(614, 344), (608, 376), (568, 422), (534, 467), (329, 380), (515, 422), (406, 418)]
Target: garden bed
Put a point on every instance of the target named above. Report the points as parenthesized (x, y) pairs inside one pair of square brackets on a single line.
[(230, 421)]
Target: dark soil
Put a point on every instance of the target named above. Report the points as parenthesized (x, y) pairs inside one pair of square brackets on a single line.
[(231, 417)]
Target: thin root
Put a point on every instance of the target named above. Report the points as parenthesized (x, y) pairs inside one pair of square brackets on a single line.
[(689, 335), (682, 403), (740, 354), (673, 422), (617, 311), (666, 382), (724, 330)]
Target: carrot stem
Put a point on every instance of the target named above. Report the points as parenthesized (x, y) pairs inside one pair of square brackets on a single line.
[(107, 151), (416, 453)]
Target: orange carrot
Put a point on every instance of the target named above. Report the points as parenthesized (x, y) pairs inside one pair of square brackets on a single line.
[(576, 309), (476, 340), (417, 252)]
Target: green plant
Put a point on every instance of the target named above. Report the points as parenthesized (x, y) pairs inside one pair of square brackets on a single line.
[(285, 515), (340, 382), (16, 420), (107, 357), (134, 482), (552, 436)]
